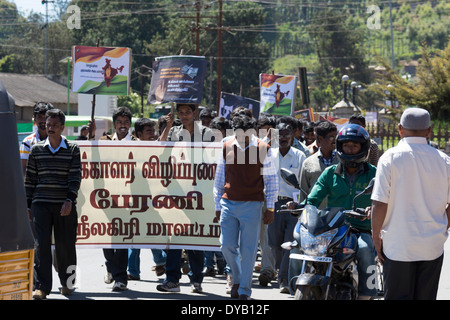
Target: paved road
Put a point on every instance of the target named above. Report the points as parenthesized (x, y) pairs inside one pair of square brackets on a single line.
[(91, 271)]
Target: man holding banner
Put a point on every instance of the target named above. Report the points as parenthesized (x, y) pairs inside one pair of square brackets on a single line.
[(245, 177), (117, 259)]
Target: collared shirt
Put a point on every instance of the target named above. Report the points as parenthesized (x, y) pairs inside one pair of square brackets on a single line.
[(270, 177), (27, 143), (326, 162), (61, 145), (414, 180), (301, 146), (128, 137), (292, 161)]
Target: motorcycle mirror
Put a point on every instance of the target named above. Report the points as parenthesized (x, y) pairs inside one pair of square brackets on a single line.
[(367, 190), (369, 187), (290, 178)]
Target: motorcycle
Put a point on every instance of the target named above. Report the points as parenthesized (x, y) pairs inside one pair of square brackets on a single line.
[(326, 245)]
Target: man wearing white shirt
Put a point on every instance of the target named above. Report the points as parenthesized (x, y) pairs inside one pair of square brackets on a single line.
[(117, 259), (282, 228), (410, 211)]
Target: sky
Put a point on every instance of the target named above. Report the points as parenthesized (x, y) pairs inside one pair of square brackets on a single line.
[(28, 5)]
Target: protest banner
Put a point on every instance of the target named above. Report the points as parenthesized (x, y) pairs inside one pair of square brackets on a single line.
[(101, 70), (277, 94), (306, 114), (229, 102), (143, 194), (177, 79)]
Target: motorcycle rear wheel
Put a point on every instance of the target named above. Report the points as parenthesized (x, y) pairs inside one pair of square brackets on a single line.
[(308, 293)]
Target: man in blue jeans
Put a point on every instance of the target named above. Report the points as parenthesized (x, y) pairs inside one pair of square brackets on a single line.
[(245, 177)]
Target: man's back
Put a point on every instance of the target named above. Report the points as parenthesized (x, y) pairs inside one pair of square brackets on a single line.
[(414, 180)]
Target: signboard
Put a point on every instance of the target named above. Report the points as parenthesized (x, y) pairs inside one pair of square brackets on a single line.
[(144, 194), (177, 79), (277, 94), (306, 114), (229, 102), (101, 70)]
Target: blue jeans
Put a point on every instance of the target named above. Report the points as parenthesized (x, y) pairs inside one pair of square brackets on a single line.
[(173, 265), (240, 222), (134, 261)]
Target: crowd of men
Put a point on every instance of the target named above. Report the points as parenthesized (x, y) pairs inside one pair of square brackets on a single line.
[(330, 165)]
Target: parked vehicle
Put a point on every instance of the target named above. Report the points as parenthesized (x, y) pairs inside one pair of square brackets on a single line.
[(326, 245), (16, 238)]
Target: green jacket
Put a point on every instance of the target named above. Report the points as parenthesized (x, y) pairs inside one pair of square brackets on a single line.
[(334, 184)]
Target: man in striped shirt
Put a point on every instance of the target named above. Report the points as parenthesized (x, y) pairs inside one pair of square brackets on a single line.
[(52, 180), (40, 108)]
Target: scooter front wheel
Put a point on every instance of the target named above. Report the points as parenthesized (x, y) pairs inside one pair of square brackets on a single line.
[(308, 293)]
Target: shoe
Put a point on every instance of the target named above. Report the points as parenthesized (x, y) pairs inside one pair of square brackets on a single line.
[(234, 291), (284, 287), (209, 272), (196, 287), (168, 286), (229, 284), (264, 279), (108, 278), (160, 270), (130, 277), (39, 295), (65, 291), (244, 297), (119, 286)]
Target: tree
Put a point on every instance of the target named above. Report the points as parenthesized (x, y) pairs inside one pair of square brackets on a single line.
[(432, 89)]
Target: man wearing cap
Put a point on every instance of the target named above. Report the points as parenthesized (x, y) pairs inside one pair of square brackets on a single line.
[(410, 212)]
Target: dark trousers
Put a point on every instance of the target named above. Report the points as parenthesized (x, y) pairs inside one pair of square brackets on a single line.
[(281, 230), (117, 264), (47, 219), (417, 280), (173, 265)]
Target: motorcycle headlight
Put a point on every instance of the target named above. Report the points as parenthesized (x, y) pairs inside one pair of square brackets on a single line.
[(316, 246)]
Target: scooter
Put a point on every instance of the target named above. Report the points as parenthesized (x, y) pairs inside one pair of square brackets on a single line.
[(326, 245)]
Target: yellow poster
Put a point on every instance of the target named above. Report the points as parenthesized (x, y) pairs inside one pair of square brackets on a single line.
[(142, 194)]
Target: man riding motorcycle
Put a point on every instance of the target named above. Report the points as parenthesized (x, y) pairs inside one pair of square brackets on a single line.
[(339, 184)]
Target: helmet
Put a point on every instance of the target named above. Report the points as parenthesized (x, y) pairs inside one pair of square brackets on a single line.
[(355, 133)]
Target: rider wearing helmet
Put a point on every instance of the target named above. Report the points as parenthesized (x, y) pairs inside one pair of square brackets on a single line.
[(340, 183)]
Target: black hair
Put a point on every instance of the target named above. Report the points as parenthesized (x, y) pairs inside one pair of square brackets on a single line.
[(41, 108), (289, 120), (190, 105), (266, 121), (243, 122), (56, 113), (141, 123), (122, 111), (220, 123), (325, 127), (284, 126), (241, 111), (359, 118)]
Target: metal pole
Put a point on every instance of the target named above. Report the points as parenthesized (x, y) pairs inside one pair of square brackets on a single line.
[(392, 35), (68, 86), (46, 37), (219, 58)]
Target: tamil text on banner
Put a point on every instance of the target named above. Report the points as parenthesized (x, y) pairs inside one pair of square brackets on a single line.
[(140, 194), (229, 102), (177, 79), (277, 94), (101, 70)]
